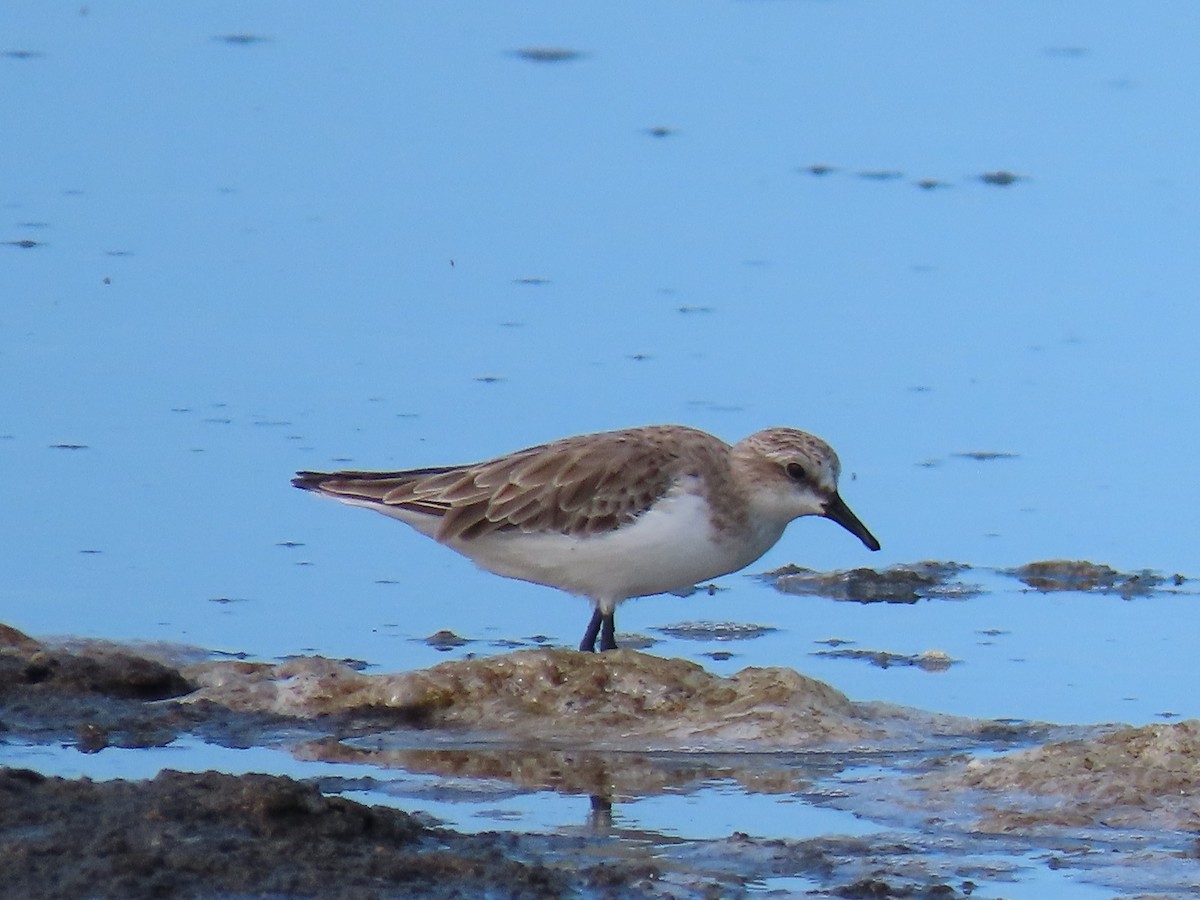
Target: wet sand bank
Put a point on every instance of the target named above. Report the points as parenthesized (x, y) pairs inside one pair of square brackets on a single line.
[(610, 728)]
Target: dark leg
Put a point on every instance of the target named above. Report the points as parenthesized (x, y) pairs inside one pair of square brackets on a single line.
[(608, 632), (588, 644), (600, 816)]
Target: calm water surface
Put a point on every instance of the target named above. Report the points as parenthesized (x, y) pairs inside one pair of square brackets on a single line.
[(239, 242)]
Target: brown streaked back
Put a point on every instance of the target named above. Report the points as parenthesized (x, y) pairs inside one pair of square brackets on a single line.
[(583, 485)]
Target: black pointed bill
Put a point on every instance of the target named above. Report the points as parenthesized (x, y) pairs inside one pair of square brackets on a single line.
[(836, 510)]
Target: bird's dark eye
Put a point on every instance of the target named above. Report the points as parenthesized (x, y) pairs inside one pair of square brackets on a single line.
[(796, 472)]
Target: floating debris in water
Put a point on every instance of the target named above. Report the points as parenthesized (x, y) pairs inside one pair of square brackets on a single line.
[(660, 131), (69, 447), (881, 174), (1067, 52), (445, 640), (711, 589), (1001, 178), (535, 640), (636, 641), (532, 280), (897, 584), (241, 40), (929, 660), (834, 642), (716, 631), (548, 54), (231, 654), (1054, 575), (819, 169), (986, 455)]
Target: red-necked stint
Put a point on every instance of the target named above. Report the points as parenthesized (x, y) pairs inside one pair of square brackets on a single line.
[(617, 514)]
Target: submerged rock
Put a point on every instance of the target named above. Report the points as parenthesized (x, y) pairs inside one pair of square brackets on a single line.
[(897, 584), (106, 669), (446, 640), (93, 694), (208, 835), (618, 699), (716, 631), (1132, 778), (1080, 575), (620, 696), (194, 835), (929, 660), (611, 727)]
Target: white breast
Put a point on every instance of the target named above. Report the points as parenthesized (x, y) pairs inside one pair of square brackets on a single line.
[(670, 547)]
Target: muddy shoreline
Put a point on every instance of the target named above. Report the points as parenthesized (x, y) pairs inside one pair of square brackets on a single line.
[(605, 728)]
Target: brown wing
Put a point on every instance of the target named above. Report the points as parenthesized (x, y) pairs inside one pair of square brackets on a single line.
[(581, 485)]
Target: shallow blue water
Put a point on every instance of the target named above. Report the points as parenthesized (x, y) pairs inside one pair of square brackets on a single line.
[(381, 238), (305, 251)]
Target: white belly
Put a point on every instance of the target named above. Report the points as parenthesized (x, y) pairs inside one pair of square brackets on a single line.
[(671, 547)]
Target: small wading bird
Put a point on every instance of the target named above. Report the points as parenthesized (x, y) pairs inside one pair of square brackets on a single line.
[(613, 515)]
